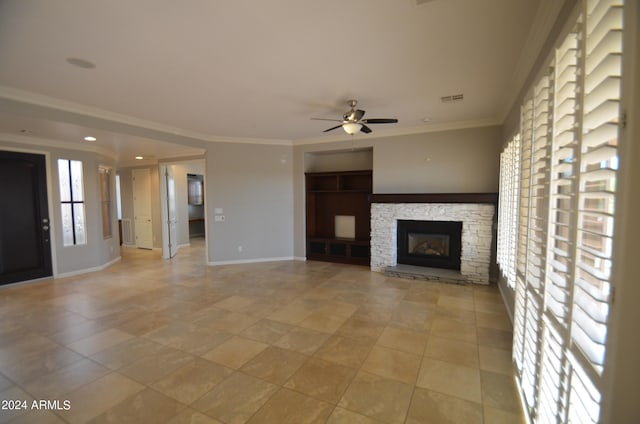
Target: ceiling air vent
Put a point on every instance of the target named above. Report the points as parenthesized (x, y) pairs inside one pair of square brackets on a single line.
[(419, 2), (453, 98)]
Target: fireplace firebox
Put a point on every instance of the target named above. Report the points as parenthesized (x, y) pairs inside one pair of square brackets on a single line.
[(435, 244)]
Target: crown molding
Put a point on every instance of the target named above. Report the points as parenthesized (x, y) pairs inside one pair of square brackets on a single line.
[(23, 96), (59, 144)]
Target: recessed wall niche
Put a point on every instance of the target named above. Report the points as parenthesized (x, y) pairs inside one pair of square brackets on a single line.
[(338, 218)]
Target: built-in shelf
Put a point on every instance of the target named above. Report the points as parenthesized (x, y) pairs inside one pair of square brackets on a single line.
[(331, 194)]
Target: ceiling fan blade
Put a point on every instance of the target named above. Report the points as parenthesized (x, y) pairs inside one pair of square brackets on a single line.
[(333, 128), (380, 121), (365, 129), (326, 119), (358, 115)]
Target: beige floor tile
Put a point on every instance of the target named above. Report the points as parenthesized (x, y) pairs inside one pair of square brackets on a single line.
[(147, 406), (16, 393), (456, 302), (463, 316), (66, 379), (5, 383), (302, 340), (322, 380), (497, 321), (191, 416), (454, 351), (267, 331), (93, 399), (235, 352), (495, 338), (233, 322), (320, 321), (450, 329), (341, 309), (377, 397), (41, 365), (344, 416), (393, 364), (374, 314), (500, 391), (236, 399), (274, 364), (450, 379), (77, 332), (152, 368), (437, 408), (289, 407), (417, 320), (496, 360), (103, 340), (344, 351), (37, 416), (498, 416), (144, 324), (357, 328), (124, 353), (291, 314), (188, 337), (27, 346), (489, 305), (191, 381), (235, 303), (403, 339)]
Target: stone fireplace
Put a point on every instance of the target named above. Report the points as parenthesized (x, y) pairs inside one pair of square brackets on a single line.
[(474, 213)]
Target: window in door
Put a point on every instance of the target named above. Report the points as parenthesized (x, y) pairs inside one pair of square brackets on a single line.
[(72, 202)]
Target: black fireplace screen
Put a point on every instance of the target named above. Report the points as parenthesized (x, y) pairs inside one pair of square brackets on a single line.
[(430, 243)]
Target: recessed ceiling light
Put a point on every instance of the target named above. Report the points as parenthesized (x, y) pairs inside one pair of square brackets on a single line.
[(90, 138), (139, 157), (80, 63), (426, 120)]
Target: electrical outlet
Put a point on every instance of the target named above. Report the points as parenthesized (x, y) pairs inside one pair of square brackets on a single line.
[(240, 249)]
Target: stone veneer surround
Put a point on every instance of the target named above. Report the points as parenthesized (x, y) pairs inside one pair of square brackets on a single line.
[(477, 222)]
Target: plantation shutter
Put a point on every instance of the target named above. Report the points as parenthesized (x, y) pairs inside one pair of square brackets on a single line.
[(565, 218), (598, 166), (520, 308)]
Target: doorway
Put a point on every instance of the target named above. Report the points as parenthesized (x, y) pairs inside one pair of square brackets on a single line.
[(142, 222), (25, 244)]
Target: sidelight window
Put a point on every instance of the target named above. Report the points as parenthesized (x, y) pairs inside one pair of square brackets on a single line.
[(72, 202)]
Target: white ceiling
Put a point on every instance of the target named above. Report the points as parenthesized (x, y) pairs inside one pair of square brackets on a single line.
[(258, 70)]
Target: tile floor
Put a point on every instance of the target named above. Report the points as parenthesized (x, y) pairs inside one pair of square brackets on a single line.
[(148, 340)]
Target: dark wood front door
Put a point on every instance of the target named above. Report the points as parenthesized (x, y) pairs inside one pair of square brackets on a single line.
[(25, 246)]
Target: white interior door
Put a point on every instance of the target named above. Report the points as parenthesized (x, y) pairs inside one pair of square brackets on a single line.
[(169, 213), (142, 208)]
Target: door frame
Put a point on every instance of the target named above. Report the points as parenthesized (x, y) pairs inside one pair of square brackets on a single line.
[(53, 213), (169, 243)]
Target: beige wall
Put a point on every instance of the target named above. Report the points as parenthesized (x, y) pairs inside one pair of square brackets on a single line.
[(252, 184)]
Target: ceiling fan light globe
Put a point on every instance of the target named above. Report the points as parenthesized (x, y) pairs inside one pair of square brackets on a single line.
[(351, 128)]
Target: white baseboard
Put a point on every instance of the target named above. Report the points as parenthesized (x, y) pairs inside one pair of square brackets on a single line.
[(300, 258), (87, 270), (250, 261)]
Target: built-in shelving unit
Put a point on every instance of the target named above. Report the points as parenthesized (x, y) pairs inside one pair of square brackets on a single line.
[(343, 195)]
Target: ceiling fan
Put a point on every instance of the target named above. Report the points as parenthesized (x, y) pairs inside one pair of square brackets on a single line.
[(353, 123)]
